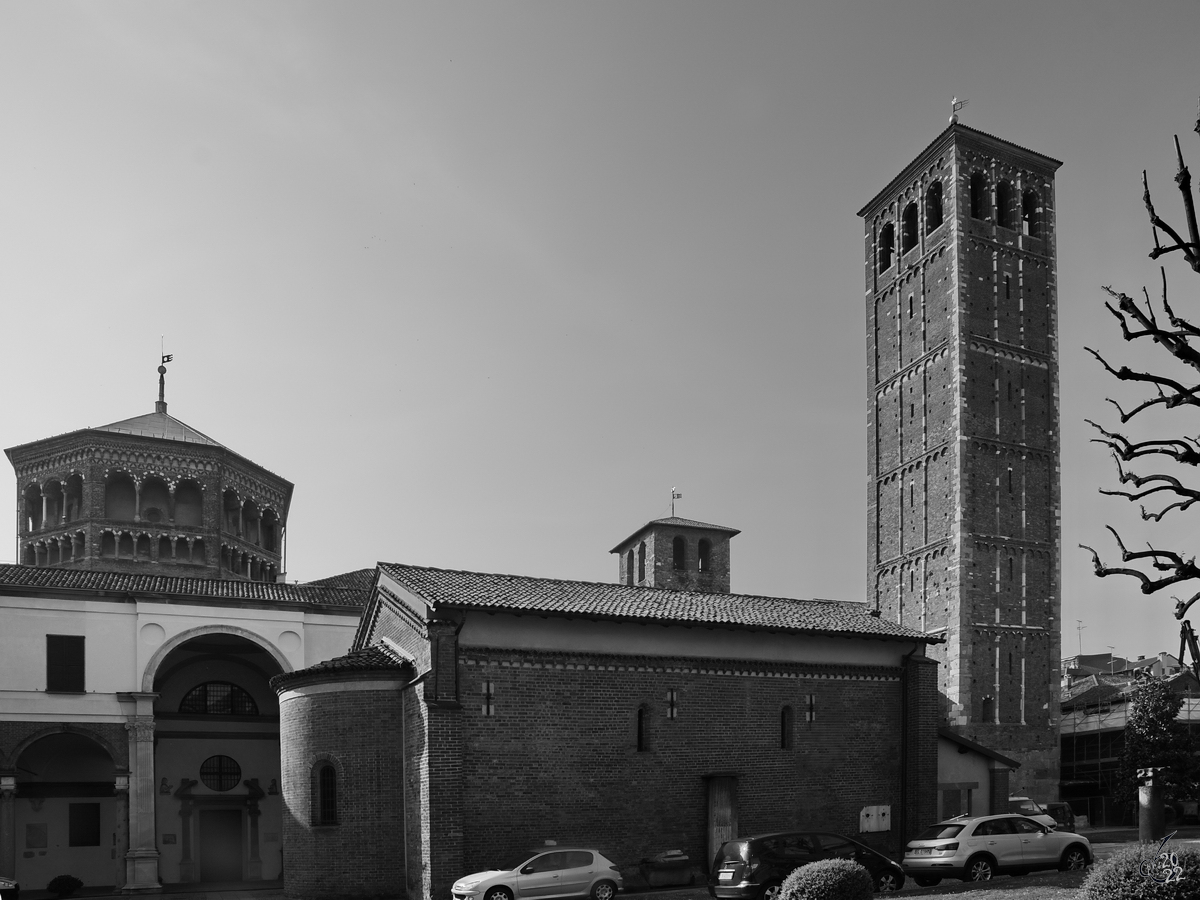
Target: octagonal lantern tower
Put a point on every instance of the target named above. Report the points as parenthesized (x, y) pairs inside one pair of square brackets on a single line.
[(149, 494)]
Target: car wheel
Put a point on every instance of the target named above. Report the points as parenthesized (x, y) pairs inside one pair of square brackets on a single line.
[(770, 891), (980, 869), (604, 890), (498, 893), (888, 882), (1073, 859), (927, 880)]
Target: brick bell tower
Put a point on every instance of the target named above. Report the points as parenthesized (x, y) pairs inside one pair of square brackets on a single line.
[(962, 434)]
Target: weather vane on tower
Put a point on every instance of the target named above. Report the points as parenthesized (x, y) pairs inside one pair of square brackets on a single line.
[(161, 405), (956, 105)]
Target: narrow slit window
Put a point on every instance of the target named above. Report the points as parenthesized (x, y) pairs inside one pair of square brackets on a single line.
[(672, 704), (489, 698), (641, 729), (787, 719), (326, 795)]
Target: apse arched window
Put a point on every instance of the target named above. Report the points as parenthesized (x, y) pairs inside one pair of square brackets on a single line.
[(787, 719), (933, 207), (705, 555), (325, 791), (979, 199), (641, 729), (642, 561), (629, 566), (1004, 205), (218, 698), (908, 233), (1031, 213), (887, 246), (679, 553)]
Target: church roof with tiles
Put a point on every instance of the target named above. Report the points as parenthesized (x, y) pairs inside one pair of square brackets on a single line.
[(445, 588), (35, 578)]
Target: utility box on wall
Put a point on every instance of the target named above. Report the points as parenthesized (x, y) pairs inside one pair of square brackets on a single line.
[(875, 818)]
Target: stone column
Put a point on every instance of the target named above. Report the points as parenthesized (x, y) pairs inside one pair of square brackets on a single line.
[(121, 828), (45, 511), (8, 826), (137, 506), (141, 862)]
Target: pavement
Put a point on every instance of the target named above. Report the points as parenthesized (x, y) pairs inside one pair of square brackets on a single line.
[(1105, 842)]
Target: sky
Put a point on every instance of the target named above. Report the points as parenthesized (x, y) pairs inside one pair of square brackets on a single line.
[(487, 280)]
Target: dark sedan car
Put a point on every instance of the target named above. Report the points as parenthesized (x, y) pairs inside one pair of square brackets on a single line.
[(753, 868)]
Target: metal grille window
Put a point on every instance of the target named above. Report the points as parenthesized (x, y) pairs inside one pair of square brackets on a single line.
[(218, 698), (325, 808), (220, 773), (489, 698), (64, 662), (672, 704)]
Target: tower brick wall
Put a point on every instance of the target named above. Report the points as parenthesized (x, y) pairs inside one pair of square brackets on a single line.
[(963, 507)]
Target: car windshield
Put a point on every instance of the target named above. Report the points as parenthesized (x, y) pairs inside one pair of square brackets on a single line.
[(1026, 806), (940, 831)]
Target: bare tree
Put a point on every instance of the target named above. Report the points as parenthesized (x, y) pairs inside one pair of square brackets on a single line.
[(1158, 493)]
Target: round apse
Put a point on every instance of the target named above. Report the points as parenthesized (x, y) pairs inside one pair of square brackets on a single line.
[(220, 773)]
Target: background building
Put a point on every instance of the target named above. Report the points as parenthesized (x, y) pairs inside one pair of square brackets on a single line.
[(962, 421)]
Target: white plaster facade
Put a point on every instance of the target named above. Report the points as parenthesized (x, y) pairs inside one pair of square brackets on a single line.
[(123, 745)]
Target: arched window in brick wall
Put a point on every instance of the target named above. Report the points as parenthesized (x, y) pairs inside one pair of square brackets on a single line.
[(679, 553), (989, 709), (908, 230), (1031, 213), (642, 737), (787, 736), (705, 555), (324, 793), (629, 566), (641, 562), (979, 198), (1004, 202), (887, 246), (933, 207)]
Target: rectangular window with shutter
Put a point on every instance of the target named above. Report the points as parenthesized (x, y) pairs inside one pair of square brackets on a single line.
[(64, 663)]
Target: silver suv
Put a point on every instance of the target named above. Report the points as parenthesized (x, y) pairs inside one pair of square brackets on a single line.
[(974, 848)]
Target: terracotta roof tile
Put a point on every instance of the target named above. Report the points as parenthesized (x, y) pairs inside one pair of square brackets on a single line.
[(377, 657), (358, 580), (76, 580), (476, 590)]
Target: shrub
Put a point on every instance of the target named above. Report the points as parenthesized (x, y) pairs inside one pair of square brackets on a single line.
[(828, 879), (1140, 873), (64, 885)]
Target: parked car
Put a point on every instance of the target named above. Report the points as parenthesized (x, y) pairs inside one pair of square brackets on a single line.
[(1029, 808), (9, 889), (753, 868), (974, 848), (545, 873), (1064, 816)]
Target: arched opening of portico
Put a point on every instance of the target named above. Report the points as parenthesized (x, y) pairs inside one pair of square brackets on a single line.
[(217, 759), (69, 815)]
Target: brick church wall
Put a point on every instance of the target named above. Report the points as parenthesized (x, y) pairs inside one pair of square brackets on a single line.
[(558, 759)]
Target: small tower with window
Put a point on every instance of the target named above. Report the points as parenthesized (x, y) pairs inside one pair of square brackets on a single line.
[(675, 553)]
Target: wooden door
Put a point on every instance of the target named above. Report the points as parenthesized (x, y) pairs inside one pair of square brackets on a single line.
[(722, 814), (220, 845)]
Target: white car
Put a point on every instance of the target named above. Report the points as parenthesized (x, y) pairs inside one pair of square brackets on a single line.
[(974, 848), (547, 873)]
